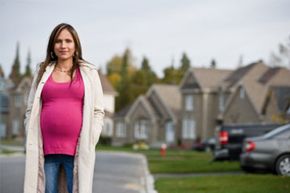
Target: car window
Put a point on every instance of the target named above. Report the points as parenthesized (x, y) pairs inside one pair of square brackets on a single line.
[(278, 131)]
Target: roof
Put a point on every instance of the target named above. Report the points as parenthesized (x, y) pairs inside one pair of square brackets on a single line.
[(106, 85), (202, 75), (210, 78), (170, 96)]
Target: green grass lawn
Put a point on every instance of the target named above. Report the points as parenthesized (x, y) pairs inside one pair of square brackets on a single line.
[(224, 184), (180, 161)]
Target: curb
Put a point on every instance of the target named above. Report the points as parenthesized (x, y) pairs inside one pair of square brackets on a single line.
[(149, 179)]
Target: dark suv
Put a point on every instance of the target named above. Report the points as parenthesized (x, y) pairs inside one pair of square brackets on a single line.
[(270, 151), (229, 138)]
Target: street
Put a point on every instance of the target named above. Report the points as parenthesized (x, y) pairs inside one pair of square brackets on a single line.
[(114, 173)]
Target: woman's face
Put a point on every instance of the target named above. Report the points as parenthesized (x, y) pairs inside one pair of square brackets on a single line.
[(64, 46)]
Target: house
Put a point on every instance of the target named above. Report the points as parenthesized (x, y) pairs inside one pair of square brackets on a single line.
[(153, 118), (276, 107), (246, 90), (109, 105), (18, 96), (199, 89), (4, 105)]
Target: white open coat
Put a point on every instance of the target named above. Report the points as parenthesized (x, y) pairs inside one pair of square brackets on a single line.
[(93, 113)]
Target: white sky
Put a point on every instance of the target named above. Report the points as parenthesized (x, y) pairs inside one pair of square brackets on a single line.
[(160, 29)]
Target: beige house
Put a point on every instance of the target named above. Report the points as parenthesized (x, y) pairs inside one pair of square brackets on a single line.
[(109, 105), (247, 88), (200, 103), (17, 105), (153, 118), (276, 107)]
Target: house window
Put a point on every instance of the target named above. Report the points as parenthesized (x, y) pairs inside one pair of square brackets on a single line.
[(108, 128), (170, 135), (18, 101), (188, 129), (120, 129), (242, 93), (141, 129), (15, 127), (221, 102), (188, 103)]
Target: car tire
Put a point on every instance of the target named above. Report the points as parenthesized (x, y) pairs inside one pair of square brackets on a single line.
[(283, 165)]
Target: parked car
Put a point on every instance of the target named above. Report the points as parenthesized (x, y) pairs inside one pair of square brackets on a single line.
[(205, 145), (270, 151), (229, 139)]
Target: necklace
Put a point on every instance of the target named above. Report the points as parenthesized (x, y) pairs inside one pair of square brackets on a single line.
[(61, 70)]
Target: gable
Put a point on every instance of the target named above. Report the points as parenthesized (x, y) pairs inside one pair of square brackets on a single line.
[(157, 104), (189, 82), (140, 112), (240, 109)]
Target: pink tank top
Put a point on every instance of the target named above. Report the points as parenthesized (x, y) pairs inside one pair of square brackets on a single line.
[(61, 115)]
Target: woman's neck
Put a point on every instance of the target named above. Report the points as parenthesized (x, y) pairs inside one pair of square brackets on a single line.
[(66, 65)]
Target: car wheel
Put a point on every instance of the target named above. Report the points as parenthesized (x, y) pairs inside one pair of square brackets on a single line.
[(283, 165)]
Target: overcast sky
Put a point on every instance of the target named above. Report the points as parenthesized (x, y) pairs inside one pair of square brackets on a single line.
[(159, 29)]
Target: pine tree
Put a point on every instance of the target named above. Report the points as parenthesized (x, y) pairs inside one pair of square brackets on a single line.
[(213, 64), (124, 86), (15, 75), (2, 75), (185, 63), (27, 67)]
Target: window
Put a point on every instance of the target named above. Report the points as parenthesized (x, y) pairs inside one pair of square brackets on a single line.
[(120, 129), (170, 135), (188, 102), (141, 129), (18, 101), (242, 92), (188, 129), (108, 128), (221, 102), (15, 127)]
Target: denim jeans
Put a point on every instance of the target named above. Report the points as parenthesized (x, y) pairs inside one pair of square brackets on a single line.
[(52, 164)]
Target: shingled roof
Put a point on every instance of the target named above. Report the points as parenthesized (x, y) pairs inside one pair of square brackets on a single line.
[(170, 96), (206, 78)]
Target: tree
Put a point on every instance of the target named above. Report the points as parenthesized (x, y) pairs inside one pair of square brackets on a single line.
[(283, 56), (213, 64), (27, 72), (124, 97), (114, 65), (143, 78), (185, 63), (2, 75), (171, 75), (15, 75)]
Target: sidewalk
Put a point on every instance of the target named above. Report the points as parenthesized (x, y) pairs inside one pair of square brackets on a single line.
[(122, 172), (115, 172)]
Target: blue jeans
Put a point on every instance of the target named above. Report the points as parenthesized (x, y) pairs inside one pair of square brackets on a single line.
[(52, 164)]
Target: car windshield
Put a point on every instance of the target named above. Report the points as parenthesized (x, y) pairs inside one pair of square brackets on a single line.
[(277, 131)]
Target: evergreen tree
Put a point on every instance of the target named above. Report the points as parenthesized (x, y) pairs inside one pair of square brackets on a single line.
[(185, 63), (15, 75), (213, 64), (124, 86), (143, 79), (27, 67), (171, 75), (2, 75)]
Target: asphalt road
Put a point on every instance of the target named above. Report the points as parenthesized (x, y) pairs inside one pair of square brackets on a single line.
[(114, 173)]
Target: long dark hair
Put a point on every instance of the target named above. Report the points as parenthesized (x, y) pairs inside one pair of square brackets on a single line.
[(51, 56)]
